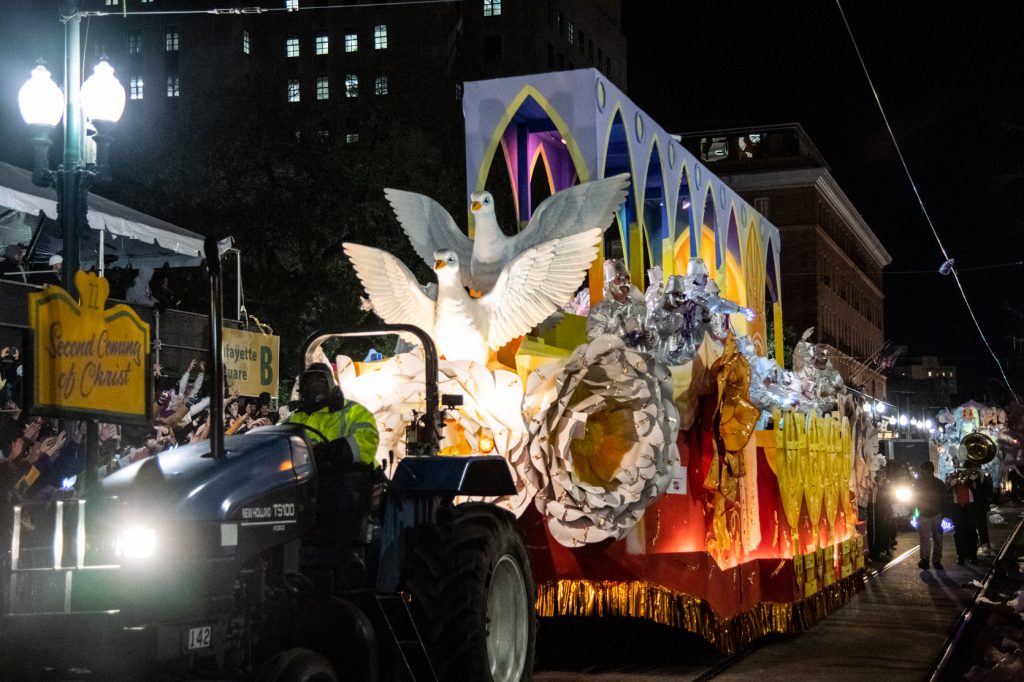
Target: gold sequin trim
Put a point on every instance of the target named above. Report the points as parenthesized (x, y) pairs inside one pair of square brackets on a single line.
[(637, 599)]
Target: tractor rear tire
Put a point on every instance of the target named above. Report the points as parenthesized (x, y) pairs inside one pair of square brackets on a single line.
[(472, 595), (297, 665)]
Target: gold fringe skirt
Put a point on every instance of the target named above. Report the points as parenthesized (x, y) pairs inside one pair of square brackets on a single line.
[(638, 599)]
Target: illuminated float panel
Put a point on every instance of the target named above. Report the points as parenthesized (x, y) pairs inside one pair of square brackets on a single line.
[(644, 488)]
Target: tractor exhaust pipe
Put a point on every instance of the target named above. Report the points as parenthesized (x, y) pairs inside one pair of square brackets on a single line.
[(212, 249)]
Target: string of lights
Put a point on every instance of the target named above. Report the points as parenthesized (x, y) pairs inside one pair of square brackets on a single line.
[(948, 266)]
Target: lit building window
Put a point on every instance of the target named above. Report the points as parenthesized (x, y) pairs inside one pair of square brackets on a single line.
[(135, 87), (246, 42), (380, 85), (492, 8), (351, 85), (171, 39), (291, 5), (351, 137), (321, 42), (572, 33), (293, 89), (458, 92), (380, 37), (146, 2), (351, 41), (173, 85), (134, 43), (111, 3), (291, 46), (323, 88)]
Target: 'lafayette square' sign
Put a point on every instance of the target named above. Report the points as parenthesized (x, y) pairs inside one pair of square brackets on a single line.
[(89, 361)]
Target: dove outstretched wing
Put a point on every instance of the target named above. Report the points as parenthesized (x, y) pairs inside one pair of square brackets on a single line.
[(396, 296), (573, 210), (536, 283), (429, 227)]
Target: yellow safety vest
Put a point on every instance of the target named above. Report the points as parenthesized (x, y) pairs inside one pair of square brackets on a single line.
[(352, 422)]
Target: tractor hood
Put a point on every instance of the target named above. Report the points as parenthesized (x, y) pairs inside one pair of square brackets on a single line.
[(187, 483)]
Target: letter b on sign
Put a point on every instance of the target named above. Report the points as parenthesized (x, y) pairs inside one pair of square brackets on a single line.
[(266, 365)]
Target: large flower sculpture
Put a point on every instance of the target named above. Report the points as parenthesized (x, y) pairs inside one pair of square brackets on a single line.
[(489, 420), (608, 440)]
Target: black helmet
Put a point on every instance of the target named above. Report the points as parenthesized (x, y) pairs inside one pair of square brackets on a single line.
[(317, 387)]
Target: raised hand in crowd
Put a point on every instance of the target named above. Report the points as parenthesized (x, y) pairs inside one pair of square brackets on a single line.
[(31, 430), (52, 446)]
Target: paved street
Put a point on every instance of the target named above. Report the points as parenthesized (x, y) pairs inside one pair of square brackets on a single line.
[(893, 630)]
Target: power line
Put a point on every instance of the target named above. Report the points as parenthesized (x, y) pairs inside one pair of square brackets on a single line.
[(1014, 264), (920, 202)]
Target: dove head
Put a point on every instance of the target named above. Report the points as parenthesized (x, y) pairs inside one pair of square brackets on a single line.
[(445, 259), (481, 202)]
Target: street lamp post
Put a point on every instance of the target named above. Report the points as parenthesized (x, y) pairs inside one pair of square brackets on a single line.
[(101, 99)]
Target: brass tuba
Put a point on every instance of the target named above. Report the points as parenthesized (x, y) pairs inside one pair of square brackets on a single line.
[(978, 449)]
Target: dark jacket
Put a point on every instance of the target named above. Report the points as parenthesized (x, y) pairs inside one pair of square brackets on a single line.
[(931, 495)]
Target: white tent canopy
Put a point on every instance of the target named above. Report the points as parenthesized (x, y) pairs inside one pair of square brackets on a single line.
[(133, 236)]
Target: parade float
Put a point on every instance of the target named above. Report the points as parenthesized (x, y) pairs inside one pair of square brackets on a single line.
[(667, 468), (974, 438)]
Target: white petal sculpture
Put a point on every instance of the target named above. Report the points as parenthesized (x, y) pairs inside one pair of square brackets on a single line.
[(563, 214), (492, 408), (609, 442)]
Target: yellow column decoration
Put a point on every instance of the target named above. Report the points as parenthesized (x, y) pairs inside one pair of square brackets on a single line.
[(830, 460), (791, 486), (777, 321), (811, 460), (846, 468)]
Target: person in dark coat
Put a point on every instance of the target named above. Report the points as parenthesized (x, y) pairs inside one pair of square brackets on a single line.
[(965, 532), (11, 266), (56, 264), (930, 495), (880, 519)]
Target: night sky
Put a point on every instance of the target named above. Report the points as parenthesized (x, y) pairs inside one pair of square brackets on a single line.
[(949, 76)]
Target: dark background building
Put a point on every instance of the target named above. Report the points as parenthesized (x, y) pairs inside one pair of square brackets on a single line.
[(325, 71), (281, 128), (922, 386), (831, 259)]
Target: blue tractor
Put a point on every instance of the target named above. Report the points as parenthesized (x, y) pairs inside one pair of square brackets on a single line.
[(263, 557)]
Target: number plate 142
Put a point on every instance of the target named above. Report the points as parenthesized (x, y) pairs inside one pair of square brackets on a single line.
[(199, 638)]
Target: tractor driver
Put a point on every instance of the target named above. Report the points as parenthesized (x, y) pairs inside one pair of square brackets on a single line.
[(322, 406)]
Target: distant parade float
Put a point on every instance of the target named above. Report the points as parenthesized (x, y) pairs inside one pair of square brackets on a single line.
[(666, 467)]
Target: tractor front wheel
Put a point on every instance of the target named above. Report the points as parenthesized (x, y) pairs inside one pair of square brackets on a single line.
[(472, 595)]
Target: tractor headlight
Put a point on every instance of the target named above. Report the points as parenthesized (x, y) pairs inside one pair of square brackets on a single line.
[(136, 542), (903, 494)]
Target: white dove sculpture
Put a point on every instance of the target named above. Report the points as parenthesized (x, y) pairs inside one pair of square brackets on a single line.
[(563, 214), (530, 287)]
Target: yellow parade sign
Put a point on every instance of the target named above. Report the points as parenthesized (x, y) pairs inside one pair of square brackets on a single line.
[(88, 361), (251, 361)]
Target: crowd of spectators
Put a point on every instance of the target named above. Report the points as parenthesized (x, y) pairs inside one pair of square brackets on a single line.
[(145, 286), (44, 458)]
